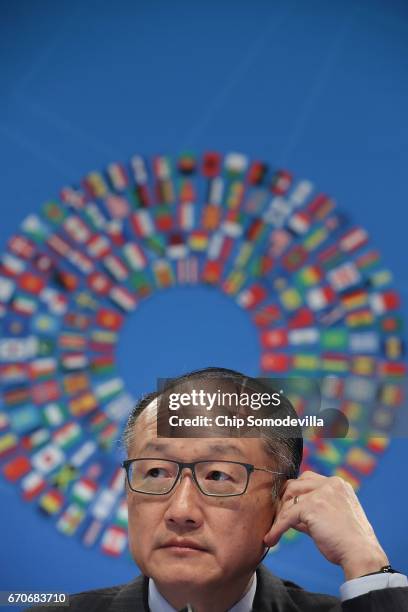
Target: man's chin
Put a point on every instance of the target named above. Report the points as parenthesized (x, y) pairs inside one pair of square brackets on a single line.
[(184, 569)]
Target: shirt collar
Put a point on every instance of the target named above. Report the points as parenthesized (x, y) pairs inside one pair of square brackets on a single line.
[(157, 603)]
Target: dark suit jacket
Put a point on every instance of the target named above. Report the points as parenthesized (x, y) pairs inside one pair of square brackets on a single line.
[(272, 595)]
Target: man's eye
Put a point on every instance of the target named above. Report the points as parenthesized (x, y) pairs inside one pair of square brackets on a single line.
[(217, 475), (156, 472)]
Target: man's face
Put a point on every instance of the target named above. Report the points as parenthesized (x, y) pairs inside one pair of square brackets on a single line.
[(221, 537)]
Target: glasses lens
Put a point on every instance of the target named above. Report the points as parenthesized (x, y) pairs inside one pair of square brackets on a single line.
[(221, 477), (152, 475)]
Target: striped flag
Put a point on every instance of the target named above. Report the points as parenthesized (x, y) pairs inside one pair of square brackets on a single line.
[(51, 502), (107, 390), (98, 246), (67, 435), (84, 491), (73, 361), (142, 223), (163, 273), (123, 298), (32, 485), (135, 256), (42, 368)]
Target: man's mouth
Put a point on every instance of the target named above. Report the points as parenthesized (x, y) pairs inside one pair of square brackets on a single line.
[(183, 545)]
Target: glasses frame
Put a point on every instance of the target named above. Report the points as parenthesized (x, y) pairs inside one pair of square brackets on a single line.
[(250, 468)]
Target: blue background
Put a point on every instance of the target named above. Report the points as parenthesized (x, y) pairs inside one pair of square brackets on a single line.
[(318, 87)]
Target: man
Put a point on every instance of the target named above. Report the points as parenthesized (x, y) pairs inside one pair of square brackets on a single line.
[(205, 507)]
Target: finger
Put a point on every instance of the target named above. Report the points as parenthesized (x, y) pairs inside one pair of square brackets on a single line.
[(289, 516), (299, 487), (310, 475)]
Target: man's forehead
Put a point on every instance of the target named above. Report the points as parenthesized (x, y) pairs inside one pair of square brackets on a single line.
[(146, 440)]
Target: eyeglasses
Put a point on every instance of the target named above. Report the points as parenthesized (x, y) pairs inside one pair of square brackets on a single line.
[(218, 478)]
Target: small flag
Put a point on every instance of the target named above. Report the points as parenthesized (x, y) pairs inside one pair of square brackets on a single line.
[(98, 246), (142, 223), (135, 256), (16, 468), (267, 315), (320, 297), (108, 389), (83, 404), (360, 460), (114, 541), (109, 319), (116, 268), (73, 361), (163, 273), (344, 276), (102, 365), (67, 435), (54, 414), (7, 287), (384, 302), (252, 296), (275, 362), (123, 298), (42, 368), (47, 459), (51, 502), (24, 305), (70, 519), (77, 229), (71, 341), (84, 491), (11, 266), (198, 240), (99, 283), (21, 246), (274, 338), (32, 485), (75, 383), (117, 206), (353, 240)]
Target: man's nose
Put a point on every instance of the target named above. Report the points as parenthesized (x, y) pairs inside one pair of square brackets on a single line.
[(184, 507)]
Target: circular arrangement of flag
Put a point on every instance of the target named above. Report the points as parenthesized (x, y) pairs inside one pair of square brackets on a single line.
[(321, 300)]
